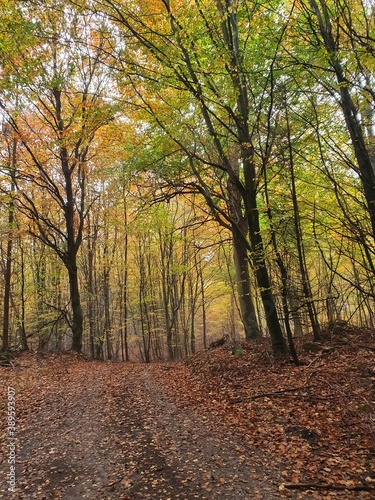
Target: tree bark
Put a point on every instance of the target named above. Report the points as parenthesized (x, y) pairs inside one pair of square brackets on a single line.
[(9, 247), (23, 335), (77, 313), (244, 290), (241, 263), (363, 154), (259, 263), (124, 295), (306, 287), (74, 238)]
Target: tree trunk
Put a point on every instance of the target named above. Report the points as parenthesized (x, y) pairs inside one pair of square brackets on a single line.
[(91, 313), (192, 331), (23, 335), (203, 305), (258, 257), (77, 319), (9, 247), (124, 315), (284, 277), (247, 308), (8, 278), (241, 261), (310, 304), (71, 260), (124, 301), (363, 154), (107, 317)]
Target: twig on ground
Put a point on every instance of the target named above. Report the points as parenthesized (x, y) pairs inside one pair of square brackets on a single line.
[(303, 486), (271, 394)]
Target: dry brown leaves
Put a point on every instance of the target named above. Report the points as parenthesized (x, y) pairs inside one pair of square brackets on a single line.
[(312, 425), (316, 420)]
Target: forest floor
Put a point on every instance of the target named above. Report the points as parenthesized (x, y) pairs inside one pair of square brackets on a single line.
[(219, 425)]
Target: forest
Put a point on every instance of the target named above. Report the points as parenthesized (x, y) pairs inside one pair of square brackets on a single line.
[(177, 171)]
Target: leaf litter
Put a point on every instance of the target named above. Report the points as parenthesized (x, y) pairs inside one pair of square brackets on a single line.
[(217, 425)]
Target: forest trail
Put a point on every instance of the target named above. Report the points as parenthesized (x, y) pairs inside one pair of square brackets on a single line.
[(216, 426), (110, 430)]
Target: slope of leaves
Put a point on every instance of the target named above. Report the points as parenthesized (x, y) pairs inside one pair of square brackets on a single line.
[(316, 420)]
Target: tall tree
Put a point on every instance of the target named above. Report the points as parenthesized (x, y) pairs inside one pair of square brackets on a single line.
[(219, 95), (343, 36), (11, 160), (64, 109)]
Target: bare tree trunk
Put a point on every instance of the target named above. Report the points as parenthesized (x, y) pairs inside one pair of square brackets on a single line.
[(91, 245), (241, 263), (9, 246), (124, 301), (24, 344), (310, 304), (259, 262), (8, 277), (247, 308), (284, 278), (230, 33), (77, 313), (107, 317), (203, 305)]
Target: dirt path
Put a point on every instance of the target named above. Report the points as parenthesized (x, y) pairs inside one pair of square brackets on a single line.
[(113, 431)]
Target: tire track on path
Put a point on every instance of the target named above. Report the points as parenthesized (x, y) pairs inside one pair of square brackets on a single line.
[(110, 431)]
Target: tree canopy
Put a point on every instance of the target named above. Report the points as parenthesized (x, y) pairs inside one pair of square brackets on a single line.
[(178, 170)]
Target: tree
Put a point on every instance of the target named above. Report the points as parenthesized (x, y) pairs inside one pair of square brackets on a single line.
[(63, 109), (220, 95), (11, 168), (342, 36)]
